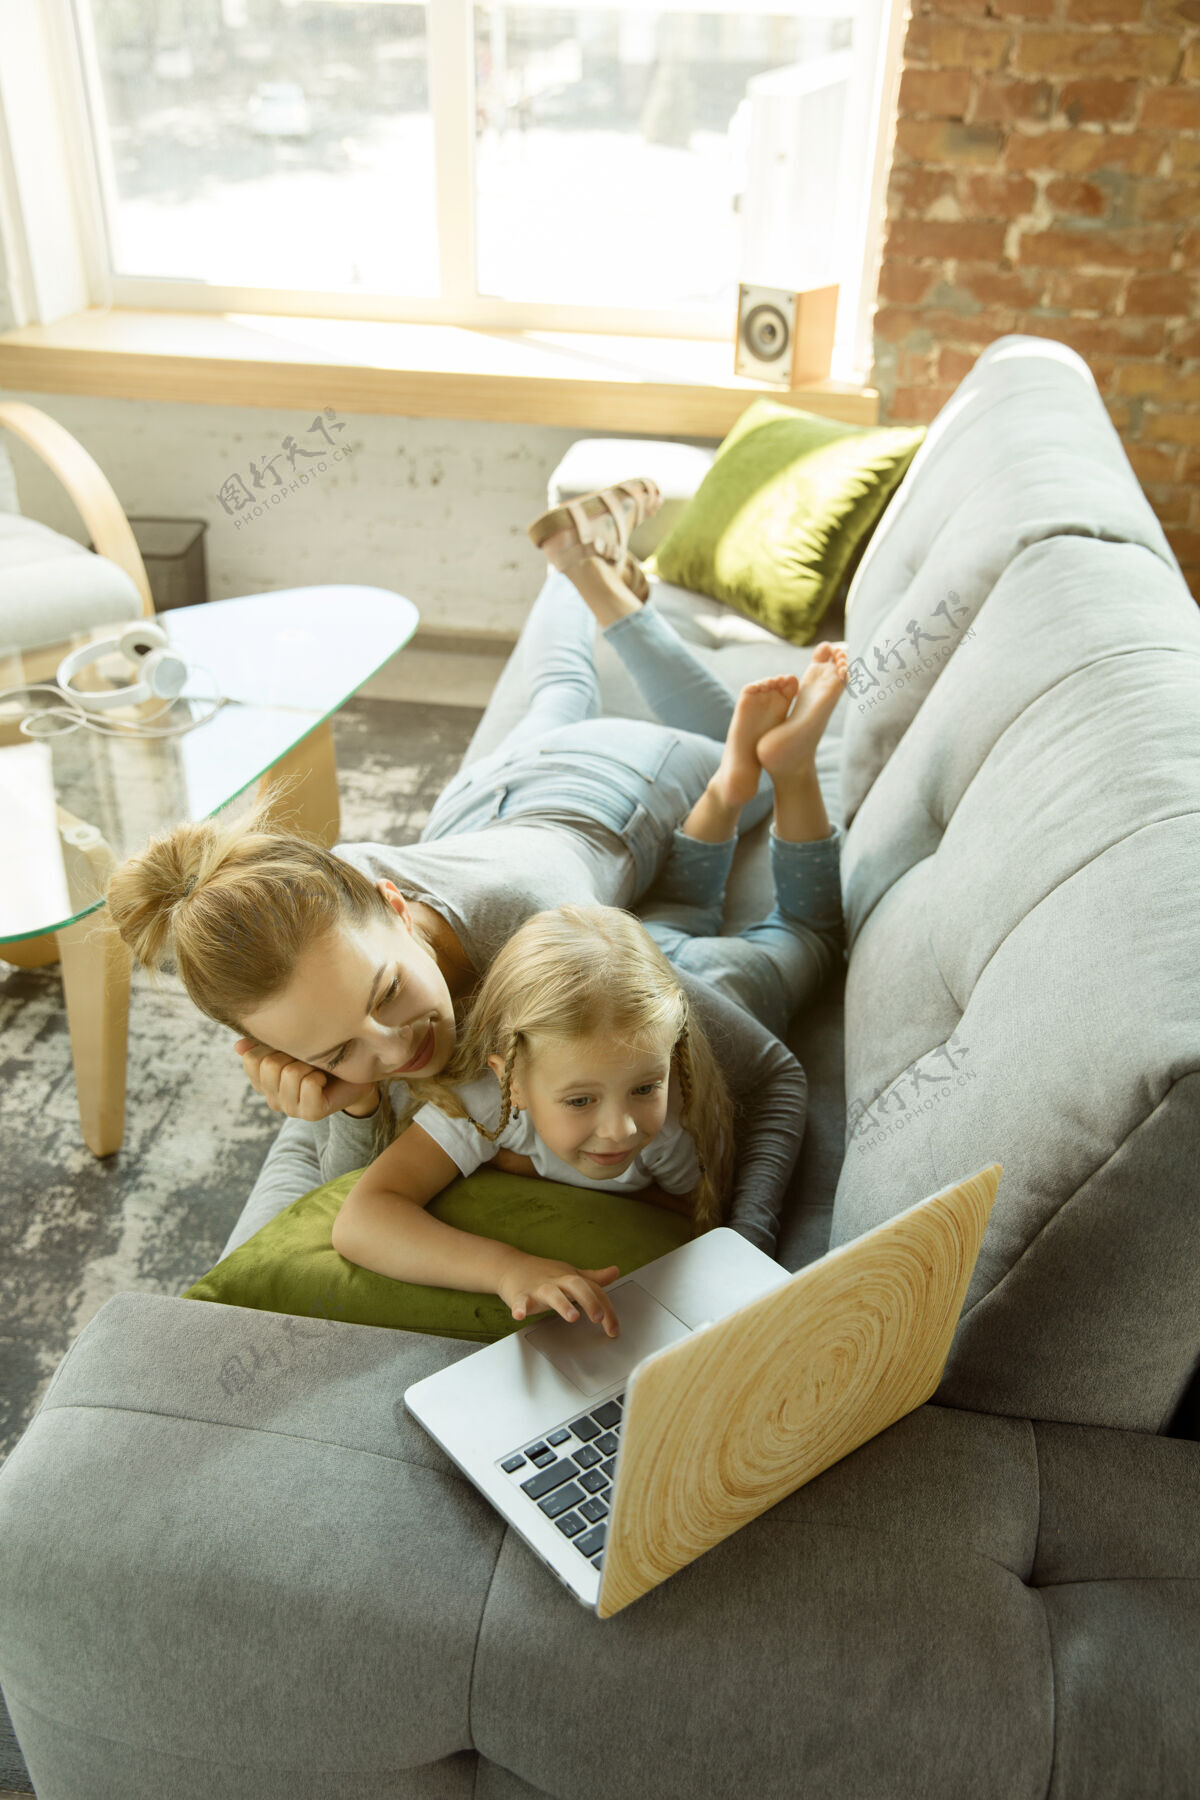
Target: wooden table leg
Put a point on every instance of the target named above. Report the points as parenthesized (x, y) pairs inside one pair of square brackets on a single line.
[(304, 786), (95, 966)]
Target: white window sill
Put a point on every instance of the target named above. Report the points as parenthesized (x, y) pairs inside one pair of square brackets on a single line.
[(657, 386)]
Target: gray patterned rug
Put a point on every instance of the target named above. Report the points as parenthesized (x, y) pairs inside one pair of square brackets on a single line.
[(155, 1216)]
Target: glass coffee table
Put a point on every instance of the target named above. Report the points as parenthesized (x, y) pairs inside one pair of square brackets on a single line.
[(75, 804)]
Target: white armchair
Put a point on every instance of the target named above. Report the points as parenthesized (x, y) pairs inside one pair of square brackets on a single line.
[(52, 588)]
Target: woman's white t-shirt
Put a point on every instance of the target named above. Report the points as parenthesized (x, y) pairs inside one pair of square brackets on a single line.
[(668, 1159)]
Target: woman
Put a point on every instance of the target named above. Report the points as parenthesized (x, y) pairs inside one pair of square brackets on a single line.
[(343, 971)]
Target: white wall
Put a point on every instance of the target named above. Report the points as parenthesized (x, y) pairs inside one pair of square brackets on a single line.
[(433, 510)]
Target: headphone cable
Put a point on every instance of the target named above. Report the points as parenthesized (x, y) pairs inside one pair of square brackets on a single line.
[(73, 714)]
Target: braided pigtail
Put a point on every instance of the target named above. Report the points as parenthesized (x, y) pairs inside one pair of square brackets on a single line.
[(707, 1116), (468, 1064), (506, 1105)]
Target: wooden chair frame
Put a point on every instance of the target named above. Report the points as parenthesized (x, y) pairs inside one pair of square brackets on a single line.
[(101, 990)]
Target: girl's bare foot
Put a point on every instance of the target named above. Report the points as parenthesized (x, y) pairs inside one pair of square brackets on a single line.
[(761, 706), (792, 745)]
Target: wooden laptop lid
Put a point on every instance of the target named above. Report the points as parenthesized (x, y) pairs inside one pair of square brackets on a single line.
[(739, 1414)]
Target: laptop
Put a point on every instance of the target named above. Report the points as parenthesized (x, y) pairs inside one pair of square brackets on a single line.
[(730, 1384)]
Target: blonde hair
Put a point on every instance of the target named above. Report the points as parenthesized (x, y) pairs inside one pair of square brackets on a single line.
[(583, 971), (232, 905)]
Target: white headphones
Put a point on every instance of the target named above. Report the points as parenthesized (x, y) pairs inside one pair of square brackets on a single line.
[(160, 671)]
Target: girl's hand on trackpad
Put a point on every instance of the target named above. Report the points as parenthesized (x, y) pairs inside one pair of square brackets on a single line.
[(529, 1284), (297, 1088)]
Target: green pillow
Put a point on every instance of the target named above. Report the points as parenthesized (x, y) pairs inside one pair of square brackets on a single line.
[(290, 1266), (783, 513)]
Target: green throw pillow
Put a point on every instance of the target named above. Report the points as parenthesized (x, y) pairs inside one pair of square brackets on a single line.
[(783, 513), (290, 1266)]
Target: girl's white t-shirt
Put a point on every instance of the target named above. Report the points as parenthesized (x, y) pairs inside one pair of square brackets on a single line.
[(668, 1159)]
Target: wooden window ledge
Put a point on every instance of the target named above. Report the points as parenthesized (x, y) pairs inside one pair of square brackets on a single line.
[(656, 386)]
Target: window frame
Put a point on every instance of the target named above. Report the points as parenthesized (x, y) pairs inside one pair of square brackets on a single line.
[(52, 208)]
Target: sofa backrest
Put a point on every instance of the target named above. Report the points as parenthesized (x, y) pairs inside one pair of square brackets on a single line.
[(1020, 873)]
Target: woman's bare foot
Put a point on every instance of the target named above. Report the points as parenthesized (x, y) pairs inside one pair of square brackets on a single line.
[(609, 596), (761, 706), (791, 746)]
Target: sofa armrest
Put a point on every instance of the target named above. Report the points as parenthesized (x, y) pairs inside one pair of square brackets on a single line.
[(593, 463), (225, 1536)]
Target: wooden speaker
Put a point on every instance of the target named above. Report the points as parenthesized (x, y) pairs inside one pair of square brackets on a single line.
[(785, 337)]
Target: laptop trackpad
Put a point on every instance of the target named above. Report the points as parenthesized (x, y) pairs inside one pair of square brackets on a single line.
[(589, 1358)]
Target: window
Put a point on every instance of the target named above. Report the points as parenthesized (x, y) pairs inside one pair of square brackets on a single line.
[(610, 168), (271, 147), (625, 153)]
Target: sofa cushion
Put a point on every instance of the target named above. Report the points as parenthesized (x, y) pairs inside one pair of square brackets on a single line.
[(290, 1266), (591, 463), (786, 507), (1018, 879), (51, 587), (1022, 452), (947, 1611), (285, 1572)]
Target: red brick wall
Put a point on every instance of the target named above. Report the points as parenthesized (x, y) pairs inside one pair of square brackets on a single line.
[(1046, 178)]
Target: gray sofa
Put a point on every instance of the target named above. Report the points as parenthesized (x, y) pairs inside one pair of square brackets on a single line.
[(230, 1563)]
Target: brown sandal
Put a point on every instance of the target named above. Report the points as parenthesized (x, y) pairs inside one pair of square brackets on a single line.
[(634, 577), (601, 524)]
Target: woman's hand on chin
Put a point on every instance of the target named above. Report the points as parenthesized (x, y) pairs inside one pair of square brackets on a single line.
[(300, 1090)]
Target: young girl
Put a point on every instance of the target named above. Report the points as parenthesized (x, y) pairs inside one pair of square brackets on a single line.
[(579, 1052)]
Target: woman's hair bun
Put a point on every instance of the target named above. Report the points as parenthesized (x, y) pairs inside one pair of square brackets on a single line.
[(145, 890), (232, 904)]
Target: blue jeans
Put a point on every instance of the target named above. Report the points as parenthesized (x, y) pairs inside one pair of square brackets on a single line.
[(640, 780)]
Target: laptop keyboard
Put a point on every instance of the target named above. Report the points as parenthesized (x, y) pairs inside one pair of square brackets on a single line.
[(568, 1473)]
